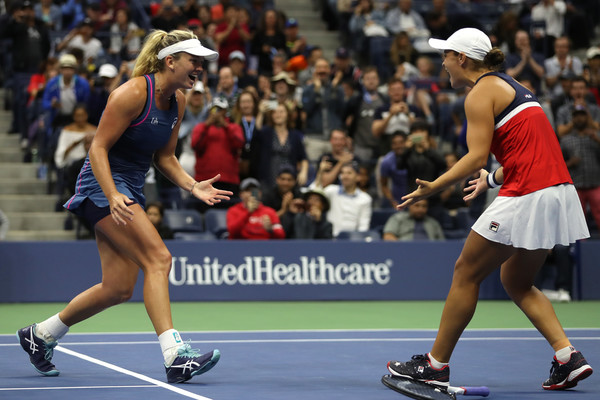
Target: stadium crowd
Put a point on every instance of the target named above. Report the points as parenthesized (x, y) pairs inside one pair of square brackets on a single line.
[(311, 147)]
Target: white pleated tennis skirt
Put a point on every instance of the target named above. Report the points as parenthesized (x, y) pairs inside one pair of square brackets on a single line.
[(537, 220)]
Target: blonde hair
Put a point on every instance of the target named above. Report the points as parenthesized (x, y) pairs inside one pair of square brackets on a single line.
[(147, 61)]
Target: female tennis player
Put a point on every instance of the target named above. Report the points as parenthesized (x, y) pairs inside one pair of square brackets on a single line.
[(140, 125), (537, 208)]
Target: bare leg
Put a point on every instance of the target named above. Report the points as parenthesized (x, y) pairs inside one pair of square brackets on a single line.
[(477, 260), (518, 275), (123, 250)]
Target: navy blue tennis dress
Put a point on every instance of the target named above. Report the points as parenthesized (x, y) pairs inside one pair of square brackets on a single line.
[(131, 156)]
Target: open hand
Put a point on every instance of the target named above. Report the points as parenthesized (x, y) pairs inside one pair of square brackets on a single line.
[(206, 192)]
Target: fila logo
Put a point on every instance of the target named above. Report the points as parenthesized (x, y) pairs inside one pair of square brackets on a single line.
[(494, 226), (528, 96), (154, 121)]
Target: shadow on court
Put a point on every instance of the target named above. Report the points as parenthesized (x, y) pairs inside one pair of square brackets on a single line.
[(290, 365)]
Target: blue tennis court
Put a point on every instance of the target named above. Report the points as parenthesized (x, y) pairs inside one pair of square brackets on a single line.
[(315, 365)]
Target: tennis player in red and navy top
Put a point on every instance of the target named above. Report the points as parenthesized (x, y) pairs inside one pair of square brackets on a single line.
[(537, 208), (139, 126)]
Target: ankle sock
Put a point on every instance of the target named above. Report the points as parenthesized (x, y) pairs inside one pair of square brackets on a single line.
[(435, 363), (170, 341), (564, 355), (52, 329)]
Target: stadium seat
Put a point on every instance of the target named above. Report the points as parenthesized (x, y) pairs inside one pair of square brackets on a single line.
[(366, 236), (216, 222), (184, 220), (194, 236), (379, 217)]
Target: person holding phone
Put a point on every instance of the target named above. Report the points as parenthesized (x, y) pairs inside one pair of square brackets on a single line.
[(250, 219)]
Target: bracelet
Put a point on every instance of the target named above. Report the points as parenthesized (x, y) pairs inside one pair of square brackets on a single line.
[(491, 180), (193, 185)]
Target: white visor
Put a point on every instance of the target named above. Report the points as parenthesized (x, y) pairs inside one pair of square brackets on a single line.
[(191, 46), (472, 42)]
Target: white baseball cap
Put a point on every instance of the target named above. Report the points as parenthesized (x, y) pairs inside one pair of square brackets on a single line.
[(471, 41), (108, 71)]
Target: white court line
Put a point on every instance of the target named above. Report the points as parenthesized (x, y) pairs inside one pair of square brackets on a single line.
[(77, 387), (131, 373)]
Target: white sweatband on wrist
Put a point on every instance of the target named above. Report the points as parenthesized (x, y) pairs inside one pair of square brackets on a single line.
[(491, 180)]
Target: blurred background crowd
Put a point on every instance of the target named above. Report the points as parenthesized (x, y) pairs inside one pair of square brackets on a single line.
[(314, 146)]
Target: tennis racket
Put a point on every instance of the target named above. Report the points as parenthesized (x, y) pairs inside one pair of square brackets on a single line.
[(423, 391)]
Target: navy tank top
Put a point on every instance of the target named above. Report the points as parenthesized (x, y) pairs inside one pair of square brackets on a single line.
[(131, 156)]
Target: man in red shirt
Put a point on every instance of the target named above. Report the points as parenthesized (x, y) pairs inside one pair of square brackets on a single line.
[(250, 219)]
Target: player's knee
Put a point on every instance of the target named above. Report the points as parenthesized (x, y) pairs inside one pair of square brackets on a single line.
[(118, 295), (161, 262)]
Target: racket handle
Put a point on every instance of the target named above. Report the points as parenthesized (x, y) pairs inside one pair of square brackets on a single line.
[(482, 391)]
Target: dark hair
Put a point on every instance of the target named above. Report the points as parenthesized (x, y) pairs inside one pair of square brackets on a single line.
[(494, 59), (579, 78), (420, 124), (157, 204)]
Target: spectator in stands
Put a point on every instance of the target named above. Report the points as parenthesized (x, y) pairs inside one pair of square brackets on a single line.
[(312, 223), (366, 21), (524, 62), (562, 63), (504, 31), (402, 50), (245, 114), (426, 87), (50, 13), (196, 110), (277, 145), (548, 23), (83, 38), (169, 16), (73, 12), (250, 219), (4, 225), (579, 98), (30, 47), (103, 85), (436, 20), (231, 35), (413, 224), (323, 104), (35, 89), (313, 53), (421, 160), (394, 116), (359, 115), (591, 71), (366, 182), (109, 9), (581, 149), (343, 64), (332, 162), (156, 214), (295, 44), (392, 178), (237, 63), (70, 147), (284, 89), (227, 87), (350, 207), (404, 18), (61, 95), (452, 196), (217, 143), (285, 198), (190, 10), (268, 40), (125, 37)]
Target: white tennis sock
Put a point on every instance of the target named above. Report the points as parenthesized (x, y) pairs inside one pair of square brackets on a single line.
[(169, 341), (435, 363), (52, 329), (564, 354)]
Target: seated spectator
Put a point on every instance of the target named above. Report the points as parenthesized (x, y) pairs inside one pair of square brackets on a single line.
[(196, 110), (70, 147), (591, 71), (237, 63), (365, 182), (125, 37), (344, 68), (156, 214), (330, 163), (402, 50), (581, 149), (245, 114), (413, 224), (284, 89), (366, 21), (579, 97), (404, 18), (83, 38), (217, 143), (524, 62), (285, 198), (168, 17), (295, 44), (312, 223), (71, 171), (313, 53), (227, 88), (278, 145), (106, 82), (392, 178), (561, 64), (250, 219), (452, 196), (323, 106), (350, 207), (268, 40), (50, 13)]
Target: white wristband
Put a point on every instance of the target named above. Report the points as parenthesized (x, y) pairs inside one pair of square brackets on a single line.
[(491, 180)]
